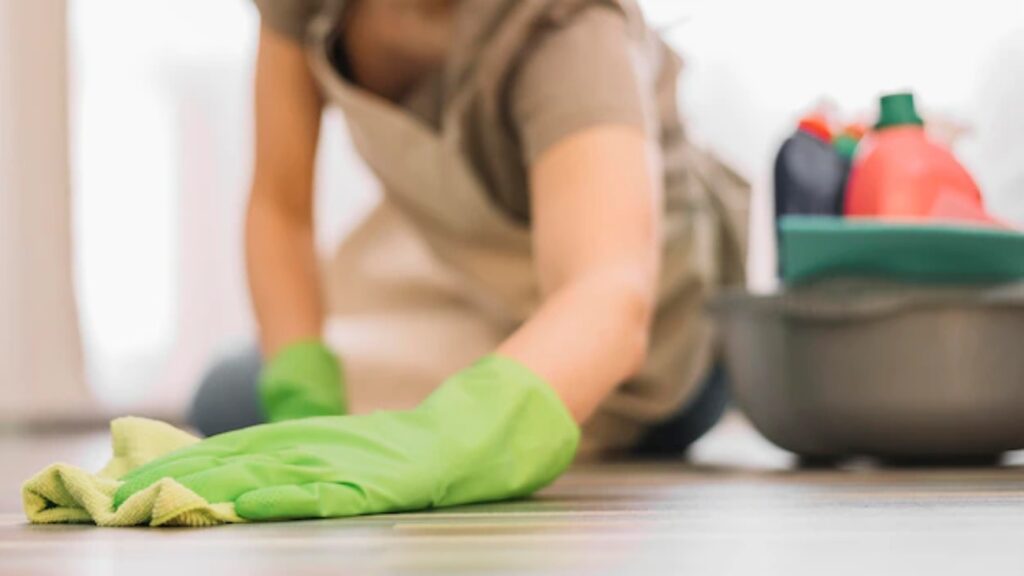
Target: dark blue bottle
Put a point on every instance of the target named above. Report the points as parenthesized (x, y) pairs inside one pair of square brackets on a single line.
[(809, 173)]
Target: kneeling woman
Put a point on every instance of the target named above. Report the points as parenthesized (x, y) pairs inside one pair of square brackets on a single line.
[(531, 286)]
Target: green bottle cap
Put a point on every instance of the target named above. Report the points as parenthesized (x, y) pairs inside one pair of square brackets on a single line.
[(898, 110)]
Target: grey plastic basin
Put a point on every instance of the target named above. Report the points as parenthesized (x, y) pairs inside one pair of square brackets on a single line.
[(852, 368)]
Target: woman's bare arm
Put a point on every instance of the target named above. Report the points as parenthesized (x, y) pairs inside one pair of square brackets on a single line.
[(280, 253), (596, 210)]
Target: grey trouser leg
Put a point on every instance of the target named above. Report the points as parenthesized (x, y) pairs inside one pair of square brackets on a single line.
[(228, 398), (673, 436)]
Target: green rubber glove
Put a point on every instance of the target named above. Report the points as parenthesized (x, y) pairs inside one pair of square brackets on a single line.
[(303, 380), (492, 432)]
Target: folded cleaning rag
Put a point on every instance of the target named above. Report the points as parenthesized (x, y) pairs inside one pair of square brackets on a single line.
[(493, 431), (67, 494)]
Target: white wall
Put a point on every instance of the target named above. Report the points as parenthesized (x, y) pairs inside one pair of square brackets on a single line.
[(40, 356)]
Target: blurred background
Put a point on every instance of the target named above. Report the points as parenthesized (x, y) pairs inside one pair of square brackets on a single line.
[(125, 137)]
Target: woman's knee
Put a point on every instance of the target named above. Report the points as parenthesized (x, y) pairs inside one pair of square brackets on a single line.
[(228, 396)]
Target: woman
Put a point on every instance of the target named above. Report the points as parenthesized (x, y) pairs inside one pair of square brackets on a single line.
[(542, 209)]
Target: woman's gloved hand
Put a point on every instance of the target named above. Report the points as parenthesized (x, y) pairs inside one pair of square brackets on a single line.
[(304, 379), (494, 431)]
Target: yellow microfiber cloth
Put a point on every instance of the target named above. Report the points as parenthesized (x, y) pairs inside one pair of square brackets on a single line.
[(62, 493)]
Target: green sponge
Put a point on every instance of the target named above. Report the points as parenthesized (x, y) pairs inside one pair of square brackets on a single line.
[(814, 247)]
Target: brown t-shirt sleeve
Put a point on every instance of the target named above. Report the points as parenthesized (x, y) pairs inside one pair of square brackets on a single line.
[(288, 17), (578, 76)]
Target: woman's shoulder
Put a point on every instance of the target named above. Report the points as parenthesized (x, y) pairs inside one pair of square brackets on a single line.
[(568, 66), (531, 74), (497, 37)]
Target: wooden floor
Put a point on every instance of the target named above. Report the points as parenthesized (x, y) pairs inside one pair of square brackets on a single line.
[(738, 509)]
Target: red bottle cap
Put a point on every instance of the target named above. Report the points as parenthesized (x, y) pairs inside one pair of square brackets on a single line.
[(817, 126)]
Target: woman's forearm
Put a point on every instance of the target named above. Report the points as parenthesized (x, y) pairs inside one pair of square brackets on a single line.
[(283, 275), (596, 200), (280, 253), (588, 337)]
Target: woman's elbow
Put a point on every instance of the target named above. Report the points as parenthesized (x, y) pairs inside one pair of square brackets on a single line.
[(639, 306)]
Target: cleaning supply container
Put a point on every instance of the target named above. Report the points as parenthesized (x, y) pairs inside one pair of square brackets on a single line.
[(847, 141), (863, 368), (900, 173), (809, 173)]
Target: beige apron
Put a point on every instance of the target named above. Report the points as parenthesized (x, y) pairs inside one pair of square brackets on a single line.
[(439, 275)]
